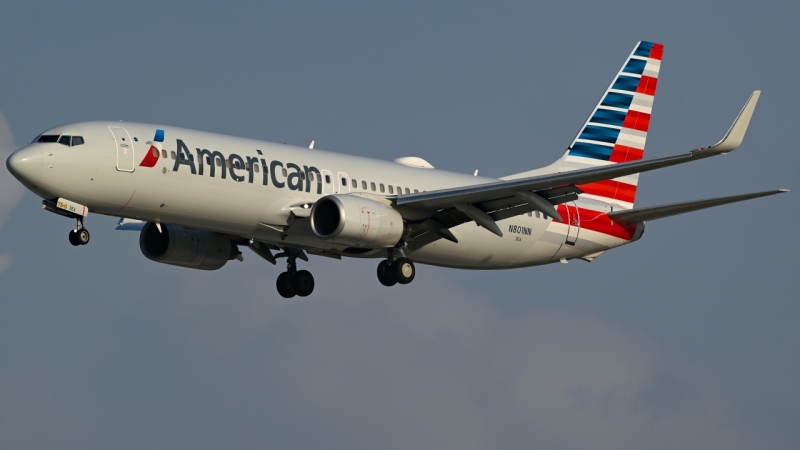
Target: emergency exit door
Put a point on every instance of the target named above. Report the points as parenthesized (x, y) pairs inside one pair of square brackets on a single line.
[(573, 220)]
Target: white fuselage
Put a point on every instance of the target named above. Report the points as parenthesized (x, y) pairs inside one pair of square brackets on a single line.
[(253, 201)]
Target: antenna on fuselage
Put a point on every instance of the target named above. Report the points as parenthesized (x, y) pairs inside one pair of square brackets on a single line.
[(311, 145), (476, 173)]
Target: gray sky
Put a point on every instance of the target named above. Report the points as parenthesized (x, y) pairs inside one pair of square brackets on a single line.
[(686, 339)]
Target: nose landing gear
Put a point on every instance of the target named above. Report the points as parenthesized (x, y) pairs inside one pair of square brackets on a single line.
[(294, 282), (80, 235)]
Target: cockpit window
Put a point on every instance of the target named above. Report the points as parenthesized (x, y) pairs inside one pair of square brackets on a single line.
[(64, 140), (77, 140), (48, 138)]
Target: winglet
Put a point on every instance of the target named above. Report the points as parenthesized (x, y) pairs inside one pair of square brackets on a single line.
[(735, 135)]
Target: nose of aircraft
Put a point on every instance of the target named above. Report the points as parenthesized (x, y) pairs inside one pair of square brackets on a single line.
[(26, 164)]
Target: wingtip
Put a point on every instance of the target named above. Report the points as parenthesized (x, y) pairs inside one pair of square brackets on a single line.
[(784, 190), (735, 135)]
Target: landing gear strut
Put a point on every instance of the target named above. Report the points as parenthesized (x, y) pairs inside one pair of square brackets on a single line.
[(294, 282), (395, 270), (80, 235)]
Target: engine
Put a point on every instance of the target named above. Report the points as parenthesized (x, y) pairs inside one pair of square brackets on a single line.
[(185, 247), (356, 221)]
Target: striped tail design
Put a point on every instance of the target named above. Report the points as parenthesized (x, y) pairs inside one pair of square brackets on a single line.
[(617, 128)]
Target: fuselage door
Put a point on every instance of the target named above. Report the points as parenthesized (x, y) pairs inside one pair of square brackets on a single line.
[(342, 183), (125, 158), (573, 223), (327, 182)]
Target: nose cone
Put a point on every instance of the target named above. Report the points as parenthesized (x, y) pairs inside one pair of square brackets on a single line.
[(26, 164)]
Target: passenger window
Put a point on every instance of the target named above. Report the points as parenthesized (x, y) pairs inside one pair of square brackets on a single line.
[(545, 216), (408, 191), (382, 189), (372, 185), (155, 150), (64, 140), (310, 176), (285, 172), (48, 138), (354, 183), (302, 176), (399, 190), (416, 191), (164, 154), (537, 215), (530, 214), (363, 185), (78, 140), (208, 160), (172, 153), (246, 165), (391, 190), (344, 181), (255, 168), (327, 179), (219, 161), (227, 163)]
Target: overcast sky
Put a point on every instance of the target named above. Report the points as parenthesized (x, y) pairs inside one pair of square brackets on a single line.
[(688, 338)]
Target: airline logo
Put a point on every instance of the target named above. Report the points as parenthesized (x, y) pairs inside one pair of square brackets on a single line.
[(154, 152)]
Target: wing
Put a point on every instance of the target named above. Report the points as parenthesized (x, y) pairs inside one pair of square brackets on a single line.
[(503, 199)]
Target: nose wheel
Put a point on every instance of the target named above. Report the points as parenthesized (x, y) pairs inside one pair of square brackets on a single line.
[(79, 236), (294, 282)]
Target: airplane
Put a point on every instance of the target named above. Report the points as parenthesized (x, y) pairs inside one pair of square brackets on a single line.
[(197, 198)]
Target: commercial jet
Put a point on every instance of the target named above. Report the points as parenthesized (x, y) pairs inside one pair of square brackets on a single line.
[(197, 198)]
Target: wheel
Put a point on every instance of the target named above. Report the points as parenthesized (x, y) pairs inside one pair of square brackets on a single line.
[(83, 236), (302, 283), (385, 274), (403, 270), (284, 285), (73, 238)]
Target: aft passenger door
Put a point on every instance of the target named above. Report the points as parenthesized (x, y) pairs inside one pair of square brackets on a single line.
[(573, 223), (125, 157)]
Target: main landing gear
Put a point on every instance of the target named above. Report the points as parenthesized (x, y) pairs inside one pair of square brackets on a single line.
[(294, 282), (395, 270), (80, 235)]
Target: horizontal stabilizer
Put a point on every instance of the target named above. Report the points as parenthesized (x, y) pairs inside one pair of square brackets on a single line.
[(658, 212)]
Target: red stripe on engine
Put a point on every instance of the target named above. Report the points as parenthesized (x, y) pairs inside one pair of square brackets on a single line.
[(647, 85), (657, 52), (637, 120), (610, 189), (623, 153)]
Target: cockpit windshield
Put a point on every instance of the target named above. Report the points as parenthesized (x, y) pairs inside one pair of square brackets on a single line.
[(69, 141)]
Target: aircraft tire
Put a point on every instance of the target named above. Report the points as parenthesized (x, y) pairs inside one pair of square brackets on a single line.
[(73, 238), (385, 274), (284, 285), (83, 236), (302, 283), (403, 270)]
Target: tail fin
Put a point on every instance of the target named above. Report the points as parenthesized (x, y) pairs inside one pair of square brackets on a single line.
[(616, 130)]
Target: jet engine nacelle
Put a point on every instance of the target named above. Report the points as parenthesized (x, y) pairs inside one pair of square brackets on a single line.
[(356, 221), (185, 247)]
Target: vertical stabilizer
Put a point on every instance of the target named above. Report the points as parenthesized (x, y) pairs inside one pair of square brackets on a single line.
[(616, 131)]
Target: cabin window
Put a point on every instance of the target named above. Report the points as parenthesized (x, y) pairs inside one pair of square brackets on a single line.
[(183, 157), (530, 214), (246, 166), (285, 172), (372, 185), (408, 191), (399, 190), (219, 161), (255, 168), (64, 140), (344, 181), (208, 160), (155, 152), (302, 176), (227, 163), (537, 215), (173, 155), (164, 154), (310, 176), (416, 191), (354, 183), (544, 215), (78, 140), (48, 138), (391, 189), (363, 185), (327, 179), (382, 189)]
